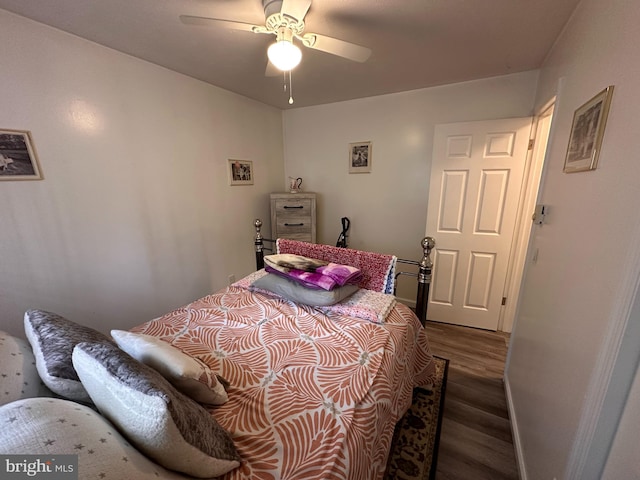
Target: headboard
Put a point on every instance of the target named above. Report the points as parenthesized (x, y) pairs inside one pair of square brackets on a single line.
[(379, 269)]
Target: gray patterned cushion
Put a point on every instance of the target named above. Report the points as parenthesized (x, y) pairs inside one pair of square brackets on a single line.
[(60, 427), (52, 339), (160, 421), (189, 375), (18, 375)]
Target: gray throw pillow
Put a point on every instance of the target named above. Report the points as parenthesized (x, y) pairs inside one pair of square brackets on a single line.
[(52, 339), (298, 293), (161, 422)]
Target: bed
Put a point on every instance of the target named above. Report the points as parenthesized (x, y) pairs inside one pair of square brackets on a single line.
[(313, 393)]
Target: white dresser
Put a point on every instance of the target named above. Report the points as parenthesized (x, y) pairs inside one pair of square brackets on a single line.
[(293, 215)]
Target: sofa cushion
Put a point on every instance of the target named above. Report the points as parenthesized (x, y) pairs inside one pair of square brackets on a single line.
[(189, 375), (52, 339), (18, 374), (53, 426), (161, 422)]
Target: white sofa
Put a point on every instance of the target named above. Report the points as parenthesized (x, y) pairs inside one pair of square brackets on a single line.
[(128, 405)]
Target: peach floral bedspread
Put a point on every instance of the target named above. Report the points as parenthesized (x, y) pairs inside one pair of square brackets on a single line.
[(311, 397)]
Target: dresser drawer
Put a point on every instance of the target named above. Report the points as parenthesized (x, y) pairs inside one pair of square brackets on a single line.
[(293, 207), (293, 227)]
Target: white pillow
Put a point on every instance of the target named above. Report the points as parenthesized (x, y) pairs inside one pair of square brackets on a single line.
[(161, 422), (52, 339), (189, 375)]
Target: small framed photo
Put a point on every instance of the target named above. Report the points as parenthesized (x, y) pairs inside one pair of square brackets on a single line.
[(18, 159), (240, 172), (587, 131), (360, 157)]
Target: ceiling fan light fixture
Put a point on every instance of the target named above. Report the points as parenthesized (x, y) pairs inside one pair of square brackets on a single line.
[(284, 55)]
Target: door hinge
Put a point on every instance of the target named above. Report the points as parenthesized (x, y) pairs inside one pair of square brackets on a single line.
[(531, 143), (504, 300)]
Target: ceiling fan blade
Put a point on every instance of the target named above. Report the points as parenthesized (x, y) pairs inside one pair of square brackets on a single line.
[(218, 22), (337, 47), (295, 8)]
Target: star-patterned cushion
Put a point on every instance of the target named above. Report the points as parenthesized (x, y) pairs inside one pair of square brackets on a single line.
[(58, 427), (18, 375)]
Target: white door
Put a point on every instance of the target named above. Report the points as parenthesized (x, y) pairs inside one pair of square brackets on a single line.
[(474, 192)]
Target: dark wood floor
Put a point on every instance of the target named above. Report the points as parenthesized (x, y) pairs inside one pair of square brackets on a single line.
[(475, 441)]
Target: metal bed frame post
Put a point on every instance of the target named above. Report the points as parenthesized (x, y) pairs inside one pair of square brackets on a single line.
[(424, 279), (258, 241)]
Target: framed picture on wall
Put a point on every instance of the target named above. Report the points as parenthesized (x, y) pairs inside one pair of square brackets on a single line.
[(587, 131), (360, 157), (18, 159), (240, 172)]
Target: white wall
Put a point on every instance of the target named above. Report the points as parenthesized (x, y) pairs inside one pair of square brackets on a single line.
[(388, 207), (624, 458), (135, 215), (577, 297)]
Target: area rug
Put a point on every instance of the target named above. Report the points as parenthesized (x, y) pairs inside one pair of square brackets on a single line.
[(414, 448)]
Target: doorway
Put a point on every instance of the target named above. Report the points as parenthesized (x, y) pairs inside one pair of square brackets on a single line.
[(522, 237)]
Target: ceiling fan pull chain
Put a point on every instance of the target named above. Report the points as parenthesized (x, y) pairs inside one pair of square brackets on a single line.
[(284, 81), (290, 89)]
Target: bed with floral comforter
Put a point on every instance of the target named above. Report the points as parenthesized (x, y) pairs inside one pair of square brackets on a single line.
[(312, 394)]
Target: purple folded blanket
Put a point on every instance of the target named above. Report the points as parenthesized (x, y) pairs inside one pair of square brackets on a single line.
[(341, 274), (310, 272)]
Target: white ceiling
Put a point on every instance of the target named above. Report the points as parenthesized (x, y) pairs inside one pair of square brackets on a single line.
[(415, 43)]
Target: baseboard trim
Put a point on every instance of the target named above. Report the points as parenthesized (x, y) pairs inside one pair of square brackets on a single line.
[(517, 445)]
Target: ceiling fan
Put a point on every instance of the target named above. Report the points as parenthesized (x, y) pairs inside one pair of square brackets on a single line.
[(285, 20)]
